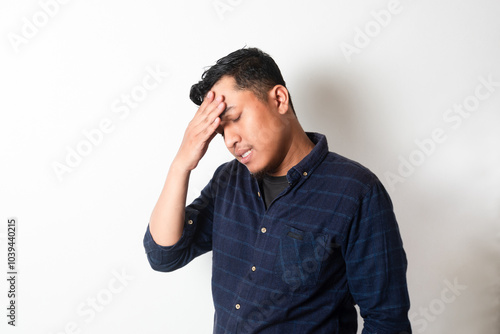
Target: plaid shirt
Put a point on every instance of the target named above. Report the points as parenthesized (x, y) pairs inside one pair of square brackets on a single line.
[(329, 241)]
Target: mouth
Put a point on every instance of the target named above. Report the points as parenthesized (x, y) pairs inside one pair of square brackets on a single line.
[(245, 157)]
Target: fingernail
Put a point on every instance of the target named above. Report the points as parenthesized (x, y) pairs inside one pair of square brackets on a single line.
[(209, 94)]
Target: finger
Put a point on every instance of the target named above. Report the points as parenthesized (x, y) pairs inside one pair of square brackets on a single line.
[(209, 130), (215, 124), (209, 103), (209, 98), (214, 127), (215, 109), (211, 112)]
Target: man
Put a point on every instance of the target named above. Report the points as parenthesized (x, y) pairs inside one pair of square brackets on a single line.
[(299, 234)]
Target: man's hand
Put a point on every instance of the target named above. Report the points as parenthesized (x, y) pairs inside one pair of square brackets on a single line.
[(200, 132)]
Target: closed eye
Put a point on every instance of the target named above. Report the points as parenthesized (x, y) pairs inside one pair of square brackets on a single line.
[(220, 129)]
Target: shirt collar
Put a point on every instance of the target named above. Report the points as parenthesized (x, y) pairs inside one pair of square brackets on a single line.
[(306, 166)]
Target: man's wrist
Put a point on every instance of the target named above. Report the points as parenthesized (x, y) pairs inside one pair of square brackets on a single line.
[(179, 167)]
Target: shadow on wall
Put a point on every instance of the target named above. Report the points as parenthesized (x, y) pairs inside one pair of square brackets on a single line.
[(452, 241), (469, 301), (328, 109), (335, 105)]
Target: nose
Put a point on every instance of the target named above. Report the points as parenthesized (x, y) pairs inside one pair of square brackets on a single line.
[(231, 137)]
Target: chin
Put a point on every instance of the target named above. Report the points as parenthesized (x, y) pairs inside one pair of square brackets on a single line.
[(256, 172), (258, 175)]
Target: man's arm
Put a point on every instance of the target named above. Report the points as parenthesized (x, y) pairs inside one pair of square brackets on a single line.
[(167, 220), (376, 265)]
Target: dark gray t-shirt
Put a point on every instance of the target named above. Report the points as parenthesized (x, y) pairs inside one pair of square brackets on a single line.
[(272, 186)]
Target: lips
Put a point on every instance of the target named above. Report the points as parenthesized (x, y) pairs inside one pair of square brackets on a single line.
[(244, 155)]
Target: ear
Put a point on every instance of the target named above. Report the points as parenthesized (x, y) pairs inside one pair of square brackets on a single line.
[(279, 97)]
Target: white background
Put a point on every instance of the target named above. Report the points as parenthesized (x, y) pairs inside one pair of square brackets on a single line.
[(77, 233)]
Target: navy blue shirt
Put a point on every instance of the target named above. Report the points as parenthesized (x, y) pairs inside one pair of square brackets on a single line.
[(329, 241)]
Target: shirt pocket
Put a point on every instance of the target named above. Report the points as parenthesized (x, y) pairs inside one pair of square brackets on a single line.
[(299, 257)]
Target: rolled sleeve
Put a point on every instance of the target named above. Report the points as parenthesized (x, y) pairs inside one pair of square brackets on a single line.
[(168, 258), (196, 237)]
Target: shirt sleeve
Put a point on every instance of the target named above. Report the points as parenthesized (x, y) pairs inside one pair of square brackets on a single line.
[(376, 265), (196, 237)]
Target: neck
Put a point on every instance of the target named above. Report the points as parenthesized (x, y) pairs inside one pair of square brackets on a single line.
[(300, 146)]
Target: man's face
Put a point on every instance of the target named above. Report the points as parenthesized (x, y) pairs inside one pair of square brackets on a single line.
[(255, 132)]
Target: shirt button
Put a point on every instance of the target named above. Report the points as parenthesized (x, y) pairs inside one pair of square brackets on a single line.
[(263, 230), (190, 222), (237, 306), (258, 193), (254, 268), (305, 173)]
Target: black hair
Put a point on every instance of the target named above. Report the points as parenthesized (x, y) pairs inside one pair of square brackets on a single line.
[(251, 68)]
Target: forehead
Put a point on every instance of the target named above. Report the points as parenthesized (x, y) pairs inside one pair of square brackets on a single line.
[(227, 87), (235, 98), (226, 84)]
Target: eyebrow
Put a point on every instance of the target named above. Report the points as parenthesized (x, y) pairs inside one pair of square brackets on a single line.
[(228, 109)]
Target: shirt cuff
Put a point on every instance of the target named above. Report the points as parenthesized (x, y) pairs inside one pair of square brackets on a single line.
[(187, 232)]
